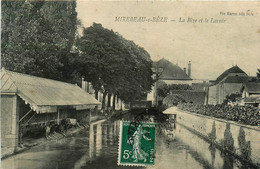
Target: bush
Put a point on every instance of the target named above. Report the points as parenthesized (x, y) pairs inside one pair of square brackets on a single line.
[(173, 100), (244, 114)]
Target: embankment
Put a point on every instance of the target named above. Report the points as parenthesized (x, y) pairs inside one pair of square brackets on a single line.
[(241, 140)]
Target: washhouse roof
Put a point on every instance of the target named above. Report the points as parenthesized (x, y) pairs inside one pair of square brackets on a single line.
[(46, 95)]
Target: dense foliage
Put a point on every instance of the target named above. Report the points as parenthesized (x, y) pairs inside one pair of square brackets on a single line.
[(173, 100), (164, 89), (117, 65), (233, 97), (37, 37), (245, 114)]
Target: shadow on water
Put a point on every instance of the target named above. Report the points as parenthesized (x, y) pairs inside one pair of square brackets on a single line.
[(103, 147), (228, 149), (228, 146), (244, 147), (186, 150), (228, 142), (97, 148), (211, 155)]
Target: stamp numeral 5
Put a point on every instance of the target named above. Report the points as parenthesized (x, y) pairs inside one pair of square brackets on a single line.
[(127, 154)]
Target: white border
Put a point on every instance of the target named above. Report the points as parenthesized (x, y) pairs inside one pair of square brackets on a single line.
[(120, 145)]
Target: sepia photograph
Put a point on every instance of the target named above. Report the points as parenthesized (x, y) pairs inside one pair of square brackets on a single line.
[(93, 84)]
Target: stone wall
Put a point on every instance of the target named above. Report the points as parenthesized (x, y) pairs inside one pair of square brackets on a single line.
[(242, 140), (218, 92), (212, 95), (230, 88)]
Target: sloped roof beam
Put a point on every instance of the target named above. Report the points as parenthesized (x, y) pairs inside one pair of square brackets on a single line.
[(25, 115)]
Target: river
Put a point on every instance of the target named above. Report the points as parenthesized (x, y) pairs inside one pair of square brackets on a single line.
[(97, 147)]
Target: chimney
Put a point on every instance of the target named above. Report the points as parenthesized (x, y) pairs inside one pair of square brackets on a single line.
[(184, 69), (189, 69)]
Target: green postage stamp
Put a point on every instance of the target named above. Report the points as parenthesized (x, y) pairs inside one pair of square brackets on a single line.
[(136, 144)]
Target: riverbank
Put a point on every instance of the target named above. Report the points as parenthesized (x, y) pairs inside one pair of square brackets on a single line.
[(29, 142), (240, 140)]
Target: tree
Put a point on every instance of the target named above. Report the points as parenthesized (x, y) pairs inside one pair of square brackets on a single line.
[(180, 87), (162, 89), (173, 100), (138, 72), (93, 47), (120, 66), (233, 97), (37, 37)]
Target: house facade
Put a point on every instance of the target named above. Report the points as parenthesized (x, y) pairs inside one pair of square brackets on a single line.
[(227, 83), (169, 73), (250, 92)]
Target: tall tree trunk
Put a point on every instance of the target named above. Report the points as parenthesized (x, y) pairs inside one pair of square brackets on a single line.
[(114, 102), (109, 100), (96, 94), (104, 100)]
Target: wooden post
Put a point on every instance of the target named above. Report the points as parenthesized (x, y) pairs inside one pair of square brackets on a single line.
[(89, 116), (58, 116), (91, 140), (20, 135)]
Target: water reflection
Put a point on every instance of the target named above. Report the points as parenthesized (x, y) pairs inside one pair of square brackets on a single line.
[(105, 128), (228, 161), (97, 147), (98, 139), (212, 150), (169, 152), (207, 154), (103, 151), (91, 141), (110, 134), (101, 136)]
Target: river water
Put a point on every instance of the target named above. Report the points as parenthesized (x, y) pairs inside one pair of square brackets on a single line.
[(97, 148)]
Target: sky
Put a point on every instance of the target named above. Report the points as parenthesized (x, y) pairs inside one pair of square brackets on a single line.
[(186, 35)]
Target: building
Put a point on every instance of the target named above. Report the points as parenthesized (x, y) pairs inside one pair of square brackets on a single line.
[(250, 92), (33, 101), (250, 89), (169, 73), (230, 81)]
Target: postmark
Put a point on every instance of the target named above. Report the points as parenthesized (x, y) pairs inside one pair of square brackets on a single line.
[(136, 144)]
